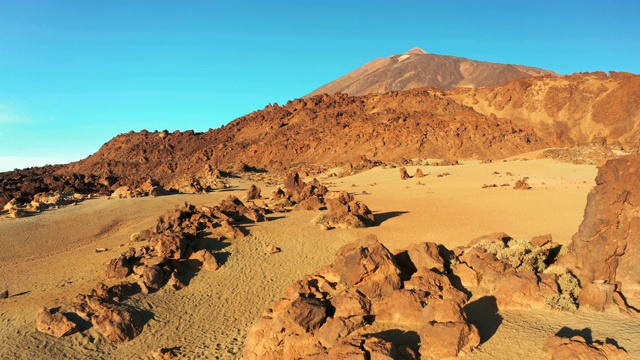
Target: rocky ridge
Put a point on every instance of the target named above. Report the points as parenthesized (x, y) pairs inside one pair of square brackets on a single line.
[(325, 131)]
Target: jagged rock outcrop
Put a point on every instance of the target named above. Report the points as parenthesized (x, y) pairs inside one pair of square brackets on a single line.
[(606, 249), (180, 240), (344, 211), (522, 184), (319, 315)]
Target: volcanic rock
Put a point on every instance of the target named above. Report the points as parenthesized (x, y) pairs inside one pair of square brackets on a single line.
[(117, 268), (307, 313), (152, 276), (404, 175), (170, 246), (55, 324), (446, 340), (116, 324), (522, 184), (319, 315), (606, 248), (229, 231), (253, 193), (205, 259), (576, 347), (369, 267)]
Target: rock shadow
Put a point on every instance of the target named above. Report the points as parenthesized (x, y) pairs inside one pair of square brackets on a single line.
[(483, 313), (587, 335), (568, 333), (379, 218), (398, 337)]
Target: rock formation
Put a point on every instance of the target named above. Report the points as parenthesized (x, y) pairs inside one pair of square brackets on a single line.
[(178, 242), (54, 324), (522, 184), (323, 315), (404, 175), (484, 123), (606, 249), (576, 347)]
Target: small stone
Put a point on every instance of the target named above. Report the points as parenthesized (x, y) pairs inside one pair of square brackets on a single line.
[(271, 249)]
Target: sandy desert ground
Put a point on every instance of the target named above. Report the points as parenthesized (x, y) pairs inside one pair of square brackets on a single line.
[(49, 258)]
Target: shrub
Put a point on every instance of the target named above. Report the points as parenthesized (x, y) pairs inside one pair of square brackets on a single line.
[(520, 254), (569, 286)]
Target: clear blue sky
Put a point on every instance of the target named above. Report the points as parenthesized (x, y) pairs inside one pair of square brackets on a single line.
[(73, 74)]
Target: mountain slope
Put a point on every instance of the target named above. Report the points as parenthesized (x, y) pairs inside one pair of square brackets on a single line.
[(573, 109), (329, 130), (416, 69), (322, 130)]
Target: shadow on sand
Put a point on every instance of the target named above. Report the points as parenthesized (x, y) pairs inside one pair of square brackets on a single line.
[(483, 313), (381, 217)]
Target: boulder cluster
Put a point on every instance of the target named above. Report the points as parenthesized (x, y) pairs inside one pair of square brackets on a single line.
[(148, 188), (342, 210), (423, 288), (178, 245), (41, 201), (327, 314)]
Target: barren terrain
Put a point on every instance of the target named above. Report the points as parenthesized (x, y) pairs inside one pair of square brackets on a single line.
[(49, 258)]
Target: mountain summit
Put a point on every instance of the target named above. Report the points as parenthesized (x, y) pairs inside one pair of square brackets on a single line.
[(416, 68)]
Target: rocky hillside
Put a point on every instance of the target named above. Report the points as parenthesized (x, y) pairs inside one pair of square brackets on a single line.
[(332, 130), (416, 69), (576, 109), (323, 130)]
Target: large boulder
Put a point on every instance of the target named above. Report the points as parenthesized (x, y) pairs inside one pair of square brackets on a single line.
[(253, 193), (54, 324), (117, 268), (561, 348), (369, 267), (170, 246), (446, 340), (117, 324), (606, 248)]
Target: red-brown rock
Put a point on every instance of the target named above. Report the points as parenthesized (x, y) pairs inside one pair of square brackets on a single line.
[(369, 267), (447, 340), (170, 246), (606, 248), (306, 313), (404, 175), (522, 185), (560, 348), (117, 268), (57, 324), (253, 193)]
